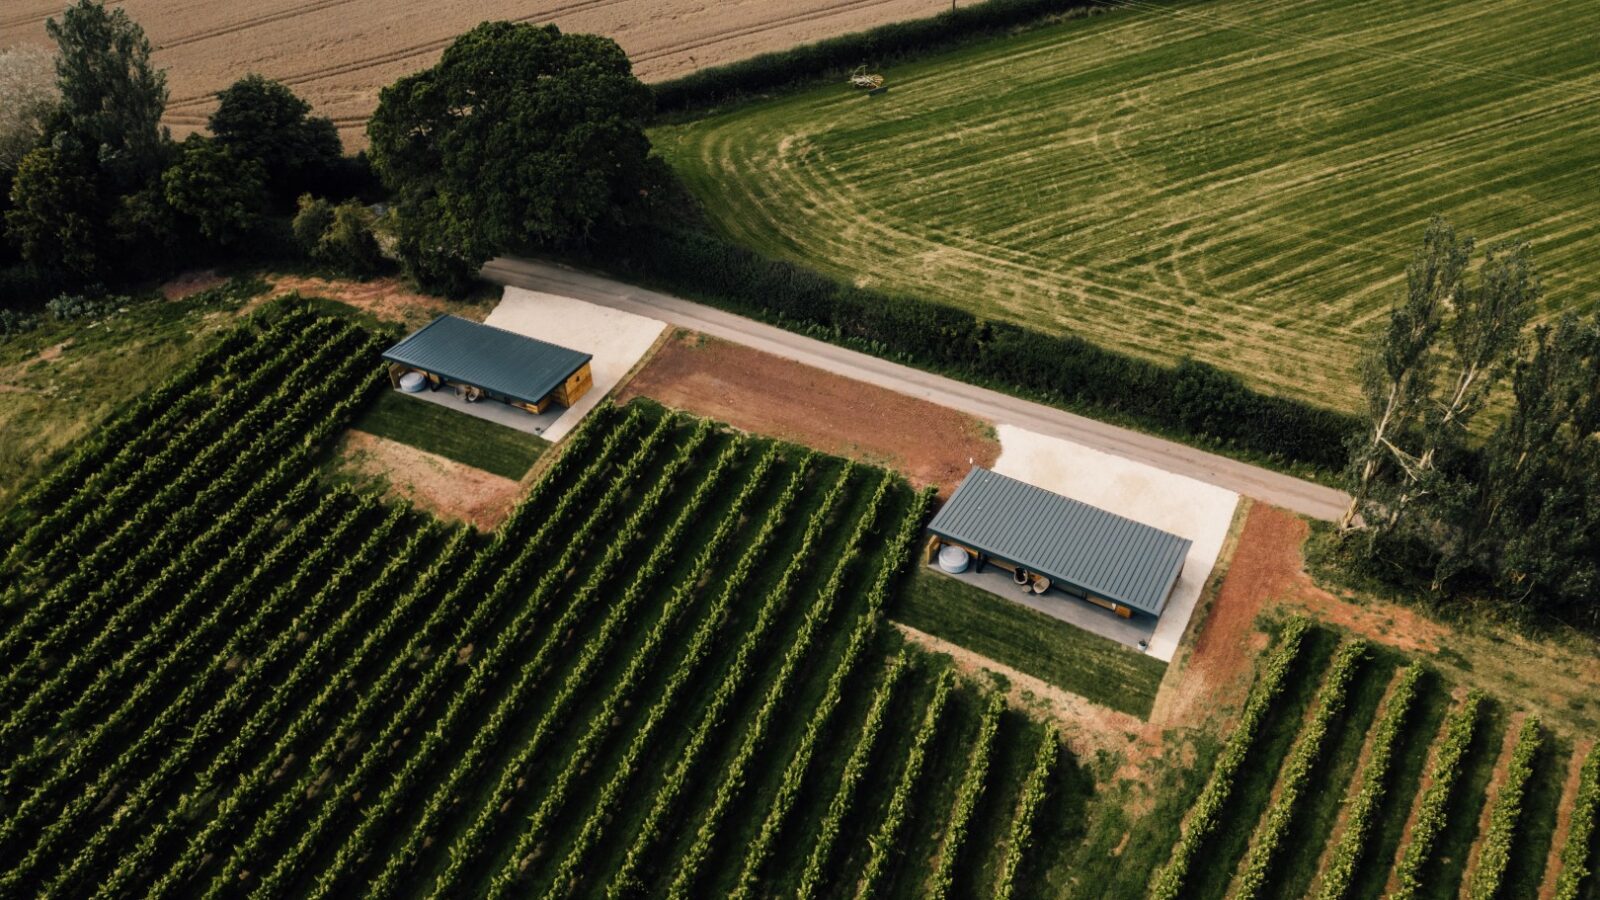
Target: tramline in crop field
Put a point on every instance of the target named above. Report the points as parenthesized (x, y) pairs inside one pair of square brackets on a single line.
[(1216, 180), (663, 675)]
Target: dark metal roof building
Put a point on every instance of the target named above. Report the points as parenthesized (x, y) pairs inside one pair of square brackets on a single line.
[(502, 362), (1078, 546)]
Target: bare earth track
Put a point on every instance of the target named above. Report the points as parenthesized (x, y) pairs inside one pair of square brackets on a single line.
[(339, 53)]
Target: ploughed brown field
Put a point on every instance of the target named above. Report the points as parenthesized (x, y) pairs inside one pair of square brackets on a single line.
[(339, 53)]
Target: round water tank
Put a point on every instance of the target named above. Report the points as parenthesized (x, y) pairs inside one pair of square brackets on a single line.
[(413, 382), (954, 560)]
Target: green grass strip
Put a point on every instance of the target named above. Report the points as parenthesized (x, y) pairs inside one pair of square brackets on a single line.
[(886, 842)]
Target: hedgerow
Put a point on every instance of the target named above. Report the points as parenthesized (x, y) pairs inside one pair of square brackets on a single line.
[(1034, 790), (1362, 816), (885, 842), (971, 791), (1494, 855), (832, 57), (1296, 774), (1190, 398), (1205, 815), (1430, 815)]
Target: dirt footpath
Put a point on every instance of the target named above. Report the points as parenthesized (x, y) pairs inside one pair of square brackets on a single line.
[(339, 53), (769, 395)]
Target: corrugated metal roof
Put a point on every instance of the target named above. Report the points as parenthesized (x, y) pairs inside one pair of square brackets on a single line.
[(518, 366), (1084, 546)]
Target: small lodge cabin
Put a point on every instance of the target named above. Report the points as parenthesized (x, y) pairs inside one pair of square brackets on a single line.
[(492, 362), (1047, 540)]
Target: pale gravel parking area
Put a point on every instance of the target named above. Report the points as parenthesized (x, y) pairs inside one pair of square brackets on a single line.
[(1184, 506), (616, 339)]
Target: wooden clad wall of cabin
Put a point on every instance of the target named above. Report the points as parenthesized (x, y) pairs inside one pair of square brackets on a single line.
[(576, 385)]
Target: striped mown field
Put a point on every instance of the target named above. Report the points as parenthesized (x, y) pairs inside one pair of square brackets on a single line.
[(1240, 181)]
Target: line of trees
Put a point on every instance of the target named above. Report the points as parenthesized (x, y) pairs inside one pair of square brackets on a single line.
[(95, 191), (1516, 512)]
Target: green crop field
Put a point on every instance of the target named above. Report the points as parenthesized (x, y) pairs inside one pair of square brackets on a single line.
[(666, 674), (1240, 181), (1346, 774)]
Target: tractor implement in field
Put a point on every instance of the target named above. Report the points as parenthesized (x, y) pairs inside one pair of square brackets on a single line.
[(872, 83)]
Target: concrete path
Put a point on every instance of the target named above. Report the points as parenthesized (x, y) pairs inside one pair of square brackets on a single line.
[(1263, 484)]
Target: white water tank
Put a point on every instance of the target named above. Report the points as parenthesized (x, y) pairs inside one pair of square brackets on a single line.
[(413, 382), (953, 559)]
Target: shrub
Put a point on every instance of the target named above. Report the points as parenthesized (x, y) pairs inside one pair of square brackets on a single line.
[(311, 222), (1495, 855)]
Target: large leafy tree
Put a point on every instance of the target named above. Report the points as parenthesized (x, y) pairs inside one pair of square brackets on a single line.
[(520, 135), (56, 217), (112, 96), (224, 195), (262, 120), (71, 200)]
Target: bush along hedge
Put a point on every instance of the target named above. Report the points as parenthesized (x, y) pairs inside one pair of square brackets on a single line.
[(1495, 854), (1191, 398), (1296, 775), (1575, 856), (1271, 679), (1430, 820), (833, 57), (1363, 813)]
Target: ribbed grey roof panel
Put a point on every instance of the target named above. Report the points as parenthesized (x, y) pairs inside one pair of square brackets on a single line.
[(515, 365), (1072, 542)]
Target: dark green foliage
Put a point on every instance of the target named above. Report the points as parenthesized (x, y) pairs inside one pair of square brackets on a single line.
[(338, 237), (311, 222), (1192, 398), (520, 135), (1517, 514), (111, 96), (262, 120), (57, 215), (833, 57), (223, 193)]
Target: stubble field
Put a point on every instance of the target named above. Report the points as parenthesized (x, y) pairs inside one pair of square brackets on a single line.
[(339, 53), (1239, 181)]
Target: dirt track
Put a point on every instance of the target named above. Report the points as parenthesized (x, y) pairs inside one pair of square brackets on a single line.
[(339, 53)]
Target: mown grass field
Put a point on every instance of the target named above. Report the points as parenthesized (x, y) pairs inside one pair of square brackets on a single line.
[(1240, 181), (665, 675)]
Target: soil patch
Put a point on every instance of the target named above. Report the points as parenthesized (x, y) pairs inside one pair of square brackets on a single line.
[(442, 486), (763, 393), (390, 299), (1558, 840), (190, 283)]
